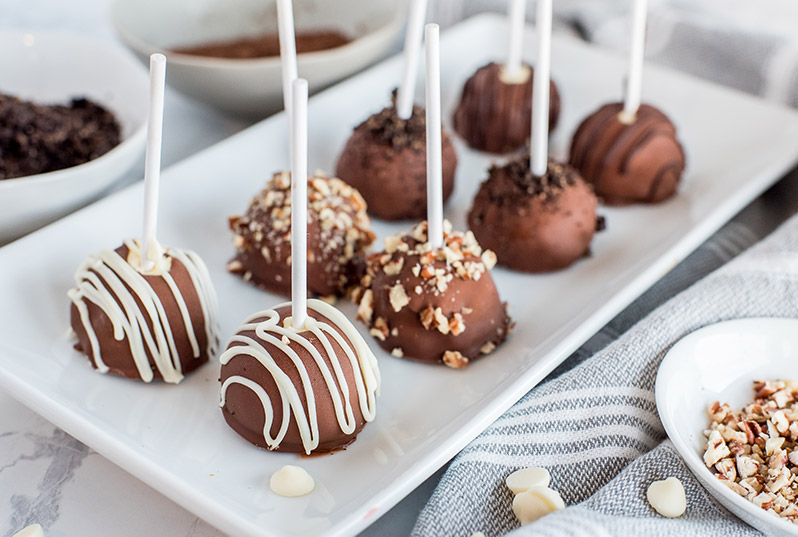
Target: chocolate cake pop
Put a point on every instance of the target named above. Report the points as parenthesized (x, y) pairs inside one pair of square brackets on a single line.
[(495, 112), (338, 236), (159, 323), (385, 161), (639, 160), (433, 305), (308, 391), (535, 224)]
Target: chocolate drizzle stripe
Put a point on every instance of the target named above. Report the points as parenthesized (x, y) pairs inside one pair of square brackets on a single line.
[(108, 281), (266, 325)]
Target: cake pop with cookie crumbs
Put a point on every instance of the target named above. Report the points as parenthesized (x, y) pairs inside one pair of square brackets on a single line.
[(535, 224)]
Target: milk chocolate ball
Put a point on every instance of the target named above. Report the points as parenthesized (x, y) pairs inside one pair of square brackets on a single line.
[(495, 112), (535, 224), (433, 305), (339, 235), (159, 323), (308, 390), (639, 161), (385, 159)]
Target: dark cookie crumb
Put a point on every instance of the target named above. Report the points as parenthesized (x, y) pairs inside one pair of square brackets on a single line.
[(386, 127), (40, 138)]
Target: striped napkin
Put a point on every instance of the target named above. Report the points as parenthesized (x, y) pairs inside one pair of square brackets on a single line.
[(594, 422)]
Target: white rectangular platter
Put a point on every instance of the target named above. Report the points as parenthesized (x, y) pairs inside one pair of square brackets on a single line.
[(174, 438)]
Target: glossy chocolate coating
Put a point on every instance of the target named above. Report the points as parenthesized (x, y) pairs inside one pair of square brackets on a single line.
[(641, 162), (117, 355), (534, 224), (244, 412), (385, 160), (453, 313), (495, 116), (339, 235)]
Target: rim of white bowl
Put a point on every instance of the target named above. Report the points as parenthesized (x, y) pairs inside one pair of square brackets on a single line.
[(142, 46), (136, 137)]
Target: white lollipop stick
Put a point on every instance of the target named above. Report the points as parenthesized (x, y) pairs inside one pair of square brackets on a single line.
[(539, 156), (634, 78), (285, 26), (415, 20), (299, 202), (434, 158), (152, 162), (516, 13)]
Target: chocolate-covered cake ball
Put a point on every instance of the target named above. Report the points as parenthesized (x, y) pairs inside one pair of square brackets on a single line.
[(628, 161), (308, 391), (535, 224), (433, 305), (144, 324), (339, 235), (385, 159), (495, 111)]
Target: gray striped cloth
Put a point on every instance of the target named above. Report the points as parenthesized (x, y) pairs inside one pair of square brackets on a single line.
[(593, 423)]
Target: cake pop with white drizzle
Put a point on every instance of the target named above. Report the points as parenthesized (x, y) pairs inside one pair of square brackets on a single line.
[(143, 311), (299, 377)]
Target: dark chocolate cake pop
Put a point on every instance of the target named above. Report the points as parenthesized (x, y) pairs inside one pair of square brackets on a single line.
[(386, 161), (160, 323), (338, 237), (535, 224), (433, 305), (628, 162), (308, 391), (495, 113)]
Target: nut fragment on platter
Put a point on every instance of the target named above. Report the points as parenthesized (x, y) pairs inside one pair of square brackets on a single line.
[(291, 481), (667, 497), (34, 530), (525, 478), (536, 502)]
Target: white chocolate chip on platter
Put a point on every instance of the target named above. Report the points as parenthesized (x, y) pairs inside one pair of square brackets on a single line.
[(536, 502), (667, 497), (291, 481), (521, 480), (34, 530)]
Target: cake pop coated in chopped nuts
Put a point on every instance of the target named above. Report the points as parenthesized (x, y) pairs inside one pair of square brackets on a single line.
[(339, 235), (433, 305)]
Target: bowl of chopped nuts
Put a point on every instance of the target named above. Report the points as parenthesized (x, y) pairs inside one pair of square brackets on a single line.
[(727, 395), (73, 114)]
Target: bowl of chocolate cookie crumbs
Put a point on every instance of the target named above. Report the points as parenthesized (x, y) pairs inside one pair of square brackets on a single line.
[(727, 395), (226, 52), (73, 117)]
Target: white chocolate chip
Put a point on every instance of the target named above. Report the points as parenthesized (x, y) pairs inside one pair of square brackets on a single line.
[(522, 480), (34, 530), (667, 497), (536, 502), (291, 481)]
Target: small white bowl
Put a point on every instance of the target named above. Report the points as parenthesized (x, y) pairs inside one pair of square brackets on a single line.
[(720, 363), (253, 87), (52, 68)]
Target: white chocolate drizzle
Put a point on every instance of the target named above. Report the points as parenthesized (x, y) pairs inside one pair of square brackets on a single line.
[(283, 335), (113, 284)]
